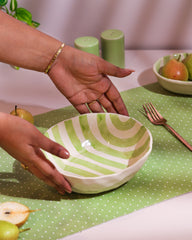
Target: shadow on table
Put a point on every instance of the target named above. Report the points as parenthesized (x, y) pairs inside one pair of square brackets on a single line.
[(46, 120), (155, 87), (22, 184)]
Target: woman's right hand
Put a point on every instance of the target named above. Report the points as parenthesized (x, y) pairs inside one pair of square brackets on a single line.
[(24, 142)]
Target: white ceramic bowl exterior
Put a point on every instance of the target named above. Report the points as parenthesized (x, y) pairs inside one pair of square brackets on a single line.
[(176, 86), (106, 150)]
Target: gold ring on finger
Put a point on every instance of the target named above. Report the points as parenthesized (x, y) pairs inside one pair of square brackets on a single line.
[(24, 166), (92, 102)]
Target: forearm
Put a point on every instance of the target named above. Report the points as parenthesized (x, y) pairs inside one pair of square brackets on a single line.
[(4, 118), (24, 46)]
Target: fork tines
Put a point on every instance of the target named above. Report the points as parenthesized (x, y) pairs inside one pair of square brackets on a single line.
[(150, 109)]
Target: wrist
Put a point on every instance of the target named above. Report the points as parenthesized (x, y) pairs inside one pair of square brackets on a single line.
[(64, 60), (54, 58)]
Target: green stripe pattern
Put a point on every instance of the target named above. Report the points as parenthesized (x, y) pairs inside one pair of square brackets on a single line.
[(99, 144)]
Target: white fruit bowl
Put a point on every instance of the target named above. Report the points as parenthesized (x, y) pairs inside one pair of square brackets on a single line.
[(106, 150), (176, 86)]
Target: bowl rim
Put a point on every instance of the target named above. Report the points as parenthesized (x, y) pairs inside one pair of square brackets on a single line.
[(172, 81), (142, 159)]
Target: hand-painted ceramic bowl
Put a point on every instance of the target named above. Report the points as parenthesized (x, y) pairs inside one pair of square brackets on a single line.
[(106, 150), (176, 86)]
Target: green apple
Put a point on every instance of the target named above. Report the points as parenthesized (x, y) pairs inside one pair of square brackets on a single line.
[(22, 113), (188, 63), (174, 69)]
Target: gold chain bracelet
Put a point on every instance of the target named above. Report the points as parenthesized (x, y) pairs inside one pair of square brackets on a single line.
[(54, 58)]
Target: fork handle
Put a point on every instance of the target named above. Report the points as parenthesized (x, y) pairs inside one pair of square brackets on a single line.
[(178, 136)]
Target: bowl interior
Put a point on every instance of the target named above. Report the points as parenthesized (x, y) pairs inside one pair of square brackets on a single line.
[(99, 144)]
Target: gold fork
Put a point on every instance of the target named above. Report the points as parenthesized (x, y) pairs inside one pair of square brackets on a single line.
[(155, 117)]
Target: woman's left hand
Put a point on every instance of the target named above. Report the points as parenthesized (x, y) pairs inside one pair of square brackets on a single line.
[(82, 78)]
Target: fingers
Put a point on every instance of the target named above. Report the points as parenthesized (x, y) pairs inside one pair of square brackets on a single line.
[(52, 147), (115, 98), (110, 101), (112, 70), (96, 106), (52, 178), (120, 106), (103, 103), (29, 152), (82, 108), (42, 168)]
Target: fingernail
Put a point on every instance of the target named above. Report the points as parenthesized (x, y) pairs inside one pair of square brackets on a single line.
[(64, 153), (62, 192), (68, 188), (67, 154), (68, 191)]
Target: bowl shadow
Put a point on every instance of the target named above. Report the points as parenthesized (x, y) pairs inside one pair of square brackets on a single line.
[(22, 184), (152, 83)]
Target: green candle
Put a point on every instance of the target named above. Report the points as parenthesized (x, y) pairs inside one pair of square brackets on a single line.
[(87, 44), (112, 47)]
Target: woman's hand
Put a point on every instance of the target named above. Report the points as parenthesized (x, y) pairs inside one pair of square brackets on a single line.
[(82, 78), (24, 142)]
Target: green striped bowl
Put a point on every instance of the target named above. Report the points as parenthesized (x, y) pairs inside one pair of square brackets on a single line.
[(106, 150)]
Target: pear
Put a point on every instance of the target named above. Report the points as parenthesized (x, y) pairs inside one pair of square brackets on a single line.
[(22, 113), (14, 212), (9, 231), (188, 63), (174, 69)]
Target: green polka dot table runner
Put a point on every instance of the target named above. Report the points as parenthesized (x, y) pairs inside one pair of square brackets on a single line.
[(167, 172)]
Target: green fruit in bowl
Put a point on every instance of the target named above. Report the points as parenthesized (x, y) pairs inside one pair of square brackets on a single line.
[(188, 63), (174, 69), (22, 113)]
